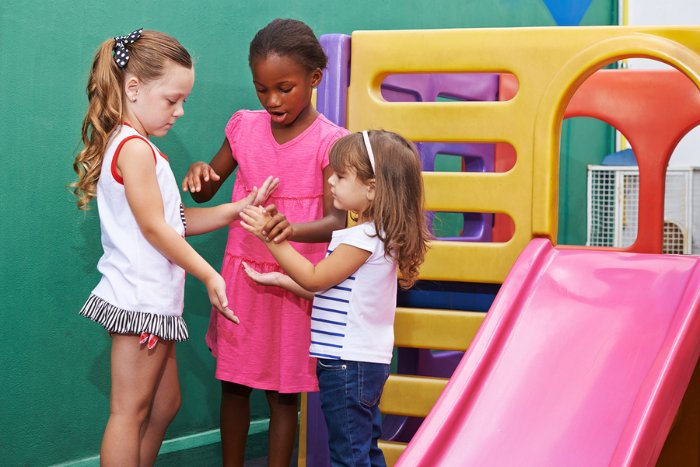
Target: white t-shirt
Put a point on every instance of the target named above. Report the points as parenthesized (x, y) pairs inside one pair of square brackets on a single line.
[(355, 319)]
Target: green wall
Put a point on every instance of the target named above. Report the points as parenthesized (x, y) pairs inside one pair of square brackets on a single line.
[(55, 375)]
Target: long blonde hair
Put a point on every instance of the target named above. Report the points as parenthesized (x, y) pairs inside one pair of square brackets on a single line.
[(148, 56), (397, 208)]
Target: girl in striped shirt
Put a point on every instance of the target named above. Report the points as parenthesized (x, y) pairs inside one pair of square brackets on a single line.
[(377, 178)]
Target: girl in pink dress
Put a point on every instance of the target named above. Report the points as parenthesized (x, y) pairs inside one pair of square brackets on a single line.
[(268, 350)]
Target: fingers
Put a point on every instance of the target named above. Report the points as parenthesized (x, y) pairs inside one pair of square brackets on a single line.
[(271, 209), (252, 196), (253, 219), (198, 172), (229, 315), (246, 218), (247, 268), (262, 278), (273, 185), (223, 308), (278, 228), (253, 213), (268, 186), (250, 272), (247, 226), (217, 296), (208, 173), (284, 234), (275, 225)]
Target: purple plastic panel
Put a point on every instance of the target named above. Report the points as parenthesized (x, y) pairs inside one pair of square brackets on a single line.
[(476, 157), (331, 101), (424, 87), (331, 94)]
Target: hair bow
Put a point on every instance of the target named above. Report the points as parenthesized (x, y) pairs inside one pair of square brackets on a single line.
[(121, 53)]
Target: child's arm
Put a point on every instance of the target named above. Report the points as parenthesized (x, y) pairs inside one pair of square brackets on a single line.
[(203, 180), (203, 220), (136, 165), (278, 228), (332, 270), (277, 279)]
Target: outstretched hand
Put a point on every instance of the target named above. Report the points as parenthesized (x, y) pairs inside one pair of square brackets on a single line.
[(197, 173), (258, 196), (254, 219), (262, 278)]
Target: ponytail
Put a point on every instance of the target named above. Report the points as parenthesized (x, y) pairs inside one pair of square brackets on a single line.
[(103, 115), (147, 57)]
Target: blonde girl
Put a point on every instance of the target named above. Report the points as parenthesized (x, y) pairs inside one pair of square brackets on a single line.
[(136, 89), (376, 177)]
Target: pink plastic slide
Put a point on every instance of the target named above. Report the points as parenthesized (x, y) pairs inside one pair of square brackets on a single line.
[(582, 360)]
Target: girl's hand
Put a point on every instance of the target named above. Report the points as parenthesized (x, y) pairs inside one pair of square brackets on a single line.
[(267, 278), (198, 172), (253, 219), (278, 228), (255, 197), (216, 288), (259, 196)]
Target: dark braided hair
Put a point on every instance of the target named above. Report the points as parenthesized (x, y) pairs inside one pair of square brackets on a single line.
[(288, 38)]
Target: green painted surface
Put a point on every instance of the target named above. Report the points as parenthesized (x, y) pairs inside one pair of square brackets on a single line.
[(55, 383), (584, 141)]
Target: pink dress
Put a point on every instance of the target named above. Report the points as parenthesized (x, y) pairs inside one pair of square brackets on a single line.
[(269, 349)]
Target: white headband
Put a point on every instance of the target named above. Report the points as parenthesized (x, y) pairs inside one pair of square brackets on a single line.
[(365, 136)]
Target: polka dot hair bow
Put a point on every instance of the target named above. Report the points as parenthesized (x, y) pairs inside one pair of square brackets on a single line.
[(121, 53)]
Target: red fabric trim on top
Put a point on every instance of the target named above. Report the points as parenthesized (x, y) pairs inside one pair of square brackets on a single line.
[(116, 176)]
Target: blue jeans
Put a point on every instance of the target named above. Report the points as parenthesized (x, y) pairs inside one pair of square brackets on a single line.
[(350, 393)]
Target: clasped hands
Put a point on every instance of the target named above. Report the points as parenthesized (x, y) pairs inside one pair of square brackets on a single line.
[(266, 223)]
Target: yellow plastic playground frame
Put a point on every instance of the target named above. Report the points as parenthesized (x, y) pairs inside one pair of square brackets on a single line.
[(549, 64)]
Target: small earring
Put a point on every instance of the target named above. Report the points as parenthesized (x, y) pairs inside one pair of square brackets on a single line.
[(133, 99)]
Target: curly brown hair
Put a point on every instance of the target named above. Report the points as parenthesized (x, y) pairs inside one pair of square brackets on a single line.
[(397, 208), (148, 57)]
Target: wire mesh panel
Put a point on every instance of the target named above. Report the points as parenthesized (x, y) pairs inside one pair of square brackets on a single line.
[(629, 219), (601, 207), (613, 208)]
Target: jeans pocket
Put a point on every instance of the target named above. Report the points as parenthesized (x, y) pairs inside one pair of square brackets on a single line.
[(372, 377), (331, 365)]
